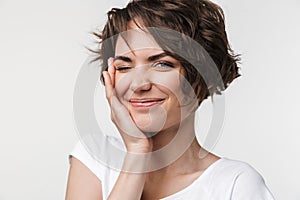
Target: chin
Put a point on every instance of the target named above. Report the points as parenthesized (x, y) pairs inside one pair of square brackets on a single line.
[(151, 121), (150, 127)]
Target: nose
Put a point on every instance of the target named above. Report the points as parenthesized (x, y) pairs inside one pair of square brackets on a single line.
[(140, 81)]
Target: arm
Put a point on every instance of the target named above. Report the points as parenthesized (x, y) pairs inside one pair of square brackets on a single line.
[(82, 183), (128, 185)]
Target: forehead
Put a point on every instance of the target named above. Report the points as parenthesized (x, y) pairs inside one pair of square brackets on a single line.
[(134, 40)]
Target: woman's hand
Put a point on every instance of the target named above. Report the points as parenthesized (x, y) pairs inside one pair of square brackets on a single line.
[(134, 139)]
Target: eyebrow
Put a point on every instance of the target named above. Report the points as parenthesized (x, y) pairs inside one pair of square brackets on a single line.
[(150, 59)]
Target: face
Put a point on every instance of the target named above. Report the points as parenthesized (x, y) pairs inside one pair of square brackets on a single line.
[(148, 82)]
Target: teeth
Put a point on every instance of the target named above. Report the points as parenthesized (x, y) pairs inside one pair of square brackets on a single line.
[(146, 101)]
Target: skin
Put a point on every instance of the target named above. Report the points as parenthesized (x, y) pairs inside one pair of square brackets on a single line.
[(123, 81)]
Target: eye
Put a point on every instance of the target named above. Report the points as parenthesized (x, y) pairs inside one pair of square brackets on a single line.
[(163, 65), (123, 68)]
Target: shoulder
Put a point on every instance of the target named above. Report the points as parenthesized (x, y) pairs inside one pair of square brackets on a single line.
[(81, 153), (229, 169), (99, 169), (236, 168), (95, 164), (242, 172), (240, 180)]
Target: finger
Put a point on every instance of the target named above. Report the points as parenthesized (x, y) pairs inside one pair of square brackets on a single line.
[(111, 70), (121, 115), (123, 119), (108, 86)]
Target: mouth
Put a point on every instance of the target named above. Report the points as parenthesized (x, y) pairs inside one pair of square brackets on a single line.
[(145, 102)]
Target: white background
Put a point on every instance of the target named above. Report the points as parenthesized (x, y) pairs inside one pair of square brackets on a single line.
[(42, 50)]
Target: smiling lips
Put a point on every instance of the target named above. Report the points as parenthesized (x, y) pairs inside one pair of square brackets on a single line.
[(146, 102)]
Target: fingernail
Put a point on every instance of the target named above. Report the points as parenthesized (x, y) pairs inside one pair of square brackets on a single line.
[(110, 60)]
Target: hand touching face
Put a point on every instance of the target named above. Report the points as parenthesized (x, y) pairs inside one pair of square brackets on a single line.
[(134, 139)]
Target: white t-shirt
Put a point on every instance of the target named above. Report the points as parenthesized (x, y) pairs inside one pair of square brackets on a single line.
[(225, 179)]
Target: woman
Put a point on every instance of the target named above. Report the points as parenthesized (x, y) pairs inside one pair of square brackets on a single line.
[(153, 91)]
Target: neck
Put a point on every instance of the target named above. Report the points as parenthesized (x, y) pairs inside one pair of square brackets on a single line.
[(182, 130), (186, 148)]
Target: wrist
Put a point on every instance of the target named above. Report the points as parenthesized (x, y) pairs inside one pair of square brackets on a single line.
[(139, 148), (137, 162)]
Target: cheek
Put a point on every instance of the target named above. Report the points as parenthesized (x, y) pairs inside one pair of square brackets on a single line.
[(122, 84), (170, 83)]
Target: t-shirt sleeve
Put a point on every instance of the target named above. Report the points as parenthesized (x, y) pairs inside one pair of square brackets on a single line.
[(250, 185), (80, 153)]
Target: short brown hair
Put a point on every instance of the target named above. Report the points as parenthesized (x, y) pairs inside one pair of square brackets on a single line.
[(201, 20)]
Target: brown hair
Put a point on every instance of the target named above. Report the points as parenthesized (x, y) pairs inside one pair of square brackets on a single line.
[(201, 20)]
